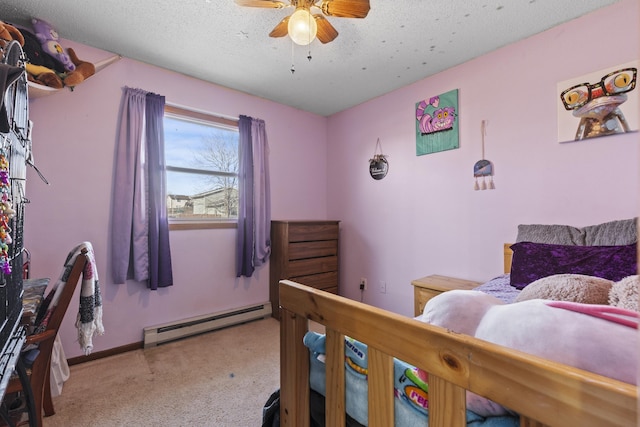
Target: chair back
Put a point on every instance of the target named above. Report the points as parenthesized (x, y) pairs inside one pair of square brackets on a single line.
[(69, 287), (55, 305), (49, 318)]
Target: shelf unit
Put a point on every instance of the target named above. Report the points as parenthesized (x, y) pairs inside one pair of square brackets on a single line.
[(38, 91)]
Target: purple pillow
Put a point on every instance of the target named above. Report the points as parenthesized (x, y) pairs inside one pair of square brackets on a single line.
[(533, 261)]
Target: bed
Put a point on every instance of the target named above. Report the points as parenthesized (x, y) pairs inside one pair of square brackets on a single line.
[(540, 391)]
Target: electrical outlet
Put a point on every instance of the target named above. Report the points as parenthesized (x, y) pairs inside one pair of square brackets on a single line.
[(363, 283), (383, 287)]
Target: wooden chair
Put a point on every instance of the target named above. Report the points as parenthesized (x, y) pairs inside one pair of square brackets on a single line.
[(39, 373)]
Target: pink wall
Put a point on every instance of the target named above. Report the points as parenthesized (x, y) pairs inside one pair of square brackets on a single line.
[(74, 134), (425, 218)]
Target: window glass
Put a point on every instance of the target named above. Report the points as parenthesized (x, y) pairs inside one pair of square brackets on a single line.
[(201, 158)]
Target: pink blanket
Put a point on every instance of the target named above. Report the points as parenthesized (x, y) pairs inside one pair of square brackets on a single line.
[(607, 312)]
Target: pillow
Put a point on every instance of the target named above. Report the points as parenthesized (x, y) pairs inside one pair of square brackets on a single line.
[(624, 293), (568, 287), (533, 261), (612, 233), (553, 234), (623, 232)]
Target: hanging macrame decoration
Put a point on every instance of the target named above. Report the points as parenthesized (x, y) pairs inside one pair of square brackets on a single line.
[(378, 166), (483, 169)]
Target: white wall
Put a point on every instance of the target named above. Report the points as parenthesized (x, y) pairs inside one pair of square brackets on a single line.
[(425, 218)]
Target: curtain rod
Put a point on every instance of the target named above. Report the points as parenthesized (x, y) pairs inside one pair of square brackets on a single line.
[(198, 111)]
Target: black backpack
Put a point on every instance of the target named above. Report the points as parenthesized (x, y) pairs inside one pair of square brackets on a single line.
[(271, 411)]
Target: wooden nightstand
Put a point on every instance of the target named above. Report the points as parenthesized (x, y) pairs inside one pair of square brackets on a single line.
[(428, 287)]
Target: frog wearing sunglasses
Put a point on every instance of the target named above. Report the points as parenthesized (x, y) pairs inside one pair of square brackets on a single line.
[(598, 104)]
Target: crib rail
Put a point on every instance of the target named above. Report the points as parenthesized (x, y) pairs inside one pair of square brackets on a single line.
[(551, 393)]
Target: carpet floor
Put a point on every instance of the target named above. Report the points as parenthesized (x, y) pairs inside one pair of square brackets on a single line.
[(222, 378)]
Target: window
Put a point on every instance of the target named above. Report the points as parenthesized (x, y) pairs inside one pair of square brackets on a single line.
[(201, 155)]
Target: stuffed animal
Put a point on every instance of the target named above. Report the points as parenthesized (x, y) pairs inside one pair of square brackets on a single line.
[(35, 54), (9, 33), (83, 70), (44, 70), (44, 76), (624, 293), (575, 334), (41, 67), (568, 287), (48, 38)]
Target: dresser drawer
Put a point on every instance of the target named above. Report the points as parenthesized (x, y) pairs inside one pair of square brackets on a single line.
[(324, 281), (320, 248), (304, 232), (306, 267)]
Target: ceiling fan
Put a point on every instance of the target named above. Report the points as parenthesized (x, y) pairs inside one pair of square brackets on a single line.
[(303, 26)]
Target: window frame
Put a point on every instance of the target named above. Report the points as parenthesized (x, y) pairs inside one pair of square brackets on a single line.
[(201, 116)]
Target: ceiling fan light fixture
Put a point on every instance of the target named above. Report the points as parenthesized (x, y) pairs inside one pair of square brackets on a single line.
[(302, 27)]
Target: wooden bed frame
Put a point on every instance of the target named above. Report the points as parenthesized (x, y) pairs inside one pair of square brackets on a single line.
[(544, 393)]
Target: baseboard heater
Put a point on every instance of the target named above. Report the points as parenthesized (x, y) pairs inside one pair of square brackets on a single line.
[(160, 334)]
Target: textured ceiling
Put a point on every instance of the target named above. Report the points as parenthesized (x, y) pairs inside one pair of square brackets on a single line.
[(398, 43)]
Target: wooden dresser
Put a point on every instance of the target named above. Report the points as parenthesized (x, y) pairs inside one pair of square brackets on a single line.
[(428, 287), (306, 252)]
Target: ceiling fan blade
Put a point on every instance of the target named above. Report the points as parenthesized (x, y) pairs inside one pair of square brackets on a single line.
[(346, 8), (326, 33), (282, 29), (270, 4)]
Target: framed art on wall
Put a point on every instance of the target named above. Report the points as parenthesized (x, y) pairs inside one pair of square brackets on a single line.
[(437, 123), (598, 104)]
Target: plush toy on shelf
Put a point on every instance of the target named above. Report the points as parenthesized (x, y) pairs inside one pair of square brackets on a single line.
[(49, 40), (83, 70), (9, 33), (42, 68), (47, 64), (75, 69)]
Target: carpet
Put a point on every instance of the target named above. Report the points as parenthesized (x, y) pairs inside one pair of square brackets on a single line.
[(222, 378)]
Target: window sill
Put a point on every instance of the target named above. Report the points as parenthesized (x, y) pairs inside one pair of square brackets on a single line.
[(201, 225)]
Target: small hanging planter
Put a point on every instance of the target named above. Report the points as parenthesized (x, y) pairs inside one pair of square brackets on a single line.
[(378, 166), (483, 169)]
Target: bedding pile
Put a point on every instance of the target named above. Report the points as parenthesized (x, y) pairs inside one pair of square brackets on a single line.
[(597, 338), (411, 404), (500, 287)]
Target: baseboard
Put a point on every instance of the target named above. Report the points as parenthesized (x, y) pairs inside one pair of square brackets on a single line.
[(140, 344), (105, 353), (160, 334)]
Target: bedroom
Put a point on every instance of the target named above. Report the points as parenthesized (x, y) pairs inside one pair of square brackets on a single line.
[(423, 218)]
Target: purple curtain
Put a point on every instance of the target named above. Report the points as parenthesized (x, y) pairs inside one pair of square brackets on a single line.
[(261, 192), (140, 230), (160, 271), (254, 211)]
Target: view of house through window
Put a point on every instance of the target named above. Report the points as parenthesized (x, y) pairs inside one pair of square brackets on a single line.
[(201, 155)]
